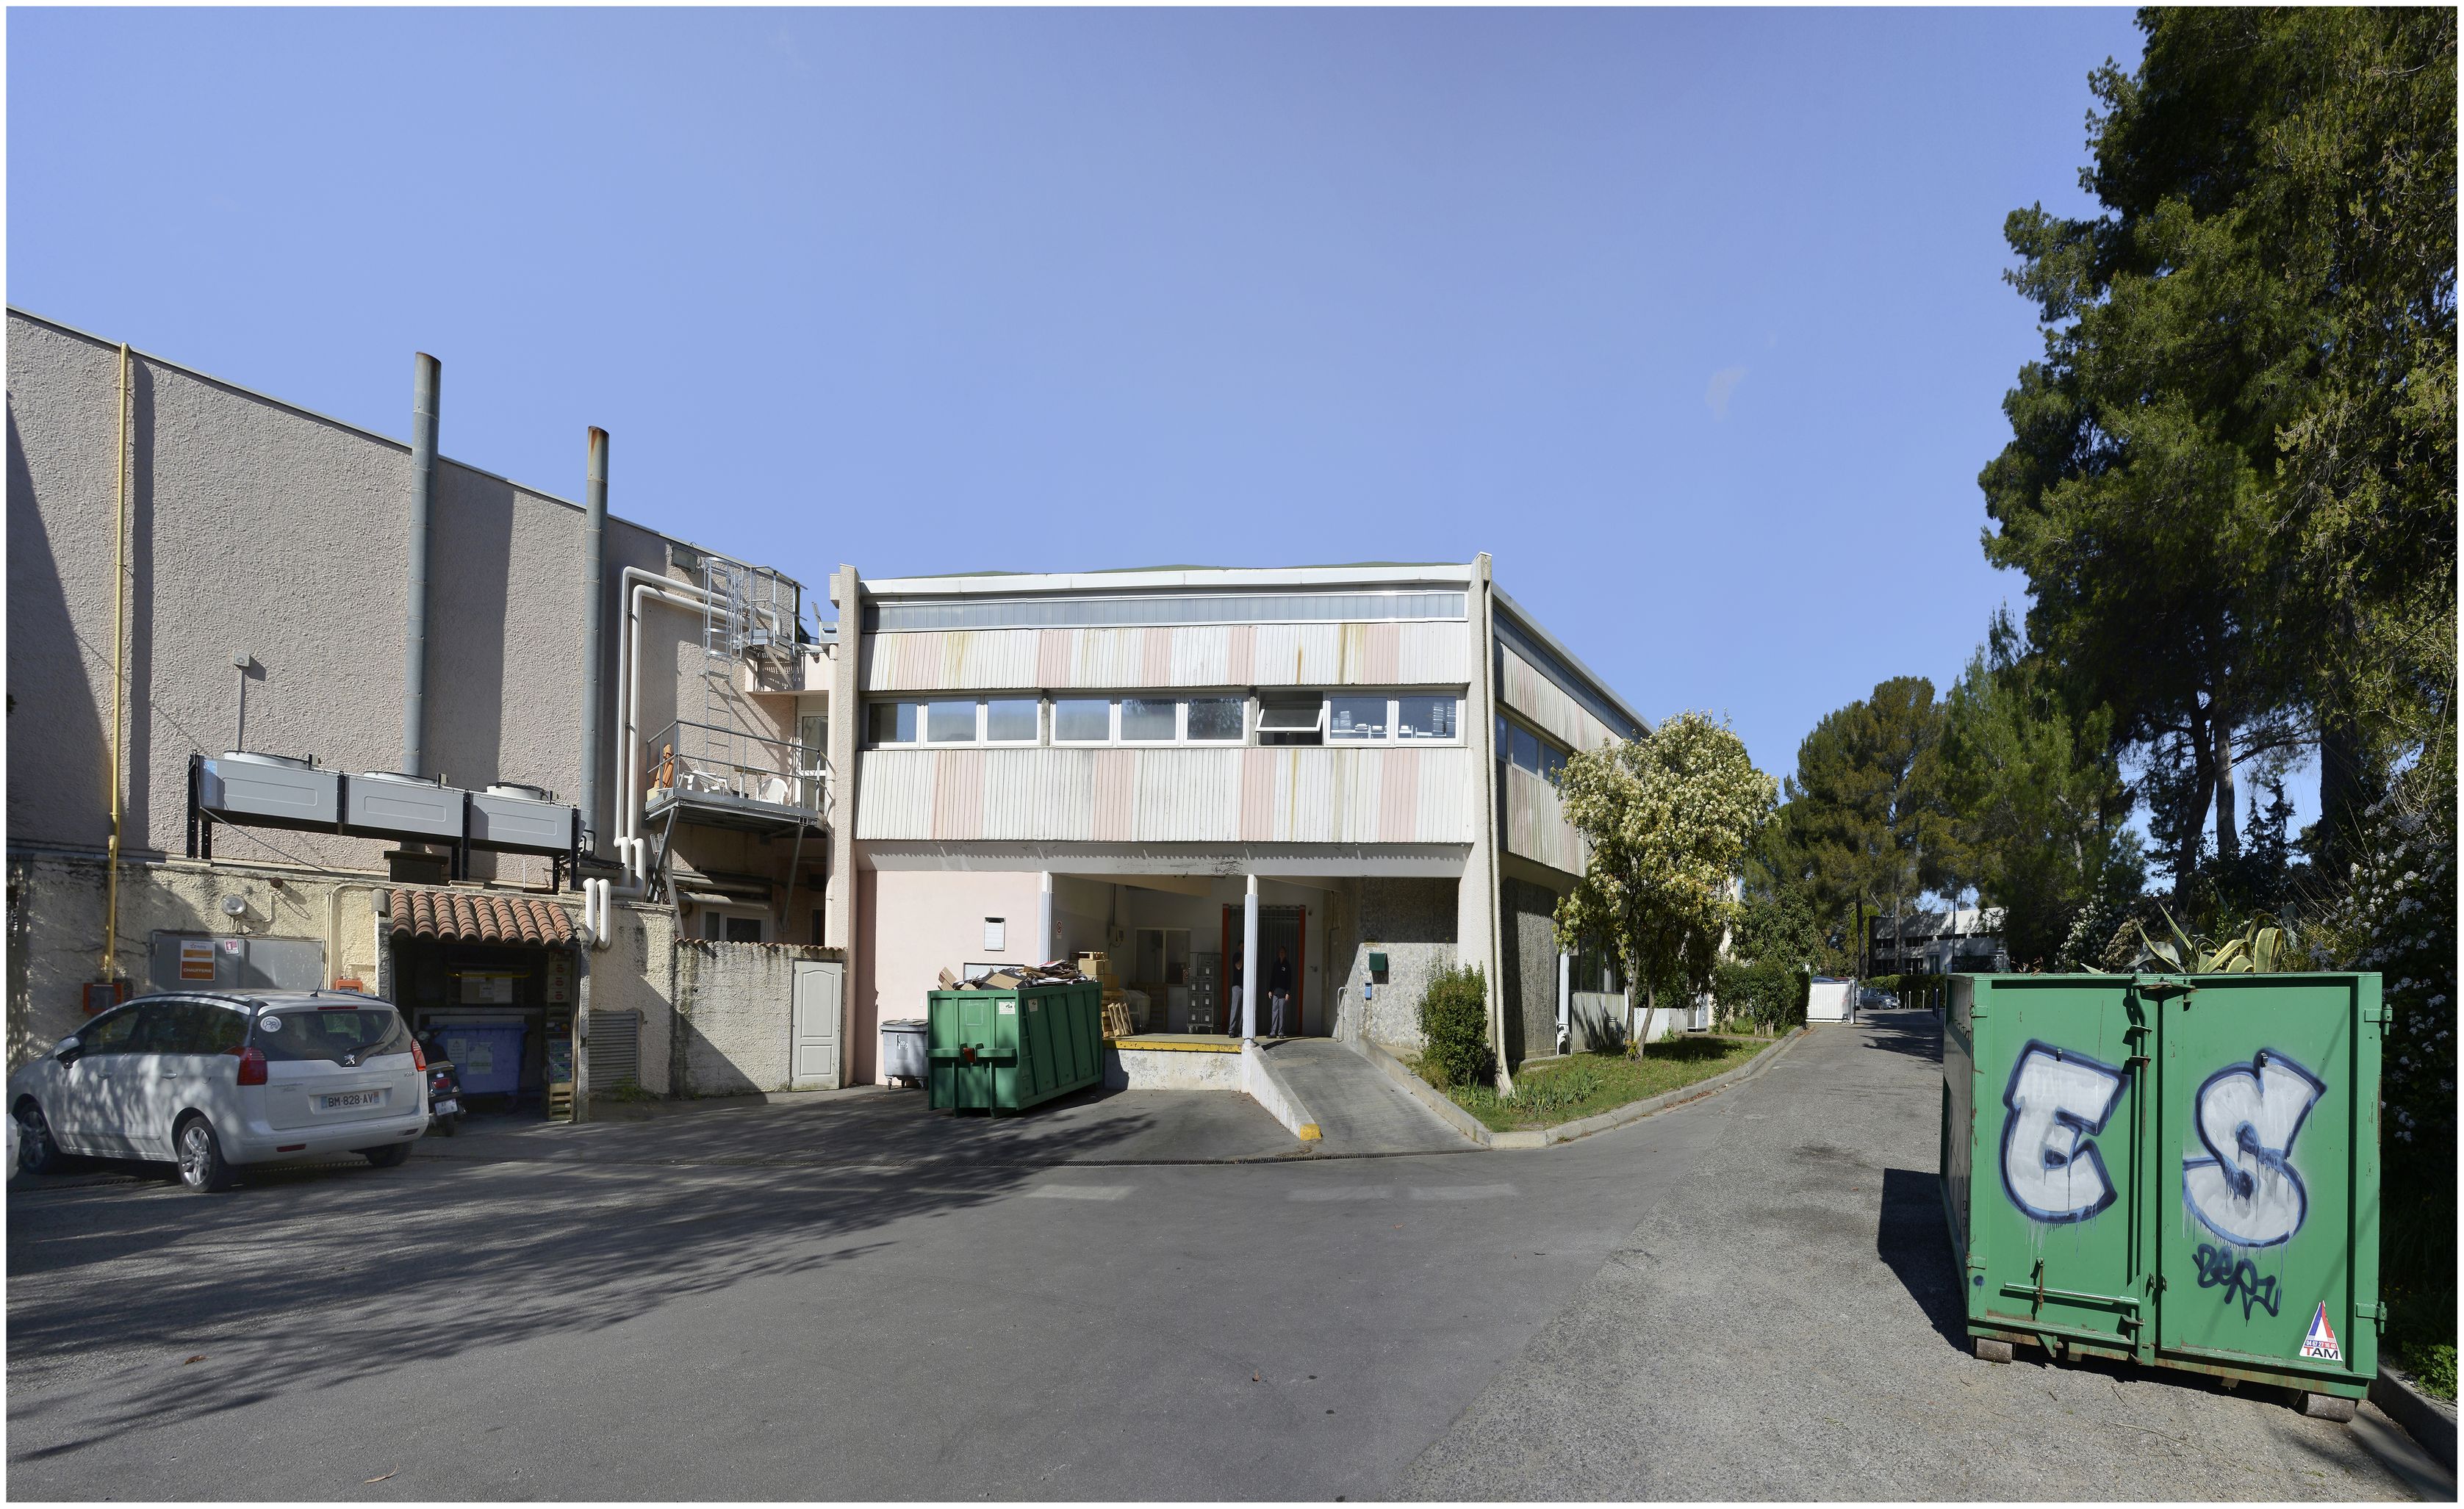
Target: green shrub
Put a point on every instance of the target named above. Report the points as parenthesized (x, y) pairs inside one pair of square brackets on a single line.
[(1769, 992), (1454, 1024)]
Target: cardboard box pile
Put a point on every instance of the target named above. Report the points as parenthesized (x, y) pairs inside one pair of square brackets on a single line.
[(1060, 971)]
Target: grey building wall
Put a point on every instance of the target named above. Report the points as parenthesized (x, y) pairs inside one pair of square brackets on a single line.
[(56, 906), (637, 972), (256, 526), (734, 1015), (1413, 922), (1530, 976)]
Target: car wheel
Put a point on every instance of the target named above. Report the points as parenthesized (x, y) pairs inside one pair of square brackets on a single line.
[(201, 1157), (393, 1157), (36, 1152)]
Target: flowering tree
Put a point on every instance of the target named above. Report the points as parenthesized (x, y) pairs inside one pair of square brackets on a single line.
[(1668, 818)]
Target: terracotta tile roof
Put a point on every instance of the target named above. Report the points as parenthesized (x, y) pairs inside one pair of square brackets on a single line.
[(466, 916)]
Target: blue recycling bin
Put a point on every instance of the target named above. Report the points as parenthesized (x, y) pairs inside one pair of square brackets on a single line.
[(487, 1060)]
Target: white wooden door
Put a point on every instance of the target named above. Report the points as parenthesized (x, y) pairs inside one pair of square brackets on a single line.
[(815, 1049)]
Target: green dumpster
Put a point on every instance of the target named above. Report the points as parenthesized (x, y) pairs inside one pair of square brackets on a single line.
[(1007, 1050), (2178, 1171)]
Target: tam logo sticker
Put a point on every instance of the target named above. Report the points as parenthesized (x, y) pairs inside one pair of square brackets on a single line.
[(2320, 1343), (1009, 1008)]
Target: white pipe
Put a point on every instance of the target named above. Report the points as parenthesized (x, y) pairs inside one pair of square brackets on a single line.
[(1044, 916), (600, 895), (333, 931), (645, 585)]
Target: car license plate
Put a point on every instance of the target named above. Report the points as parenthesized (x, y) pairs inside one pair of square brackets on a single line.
[(350, 1101), (448, 1108)]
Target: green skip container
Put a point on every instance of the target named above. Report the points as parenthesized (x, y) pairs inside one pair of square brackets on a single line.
[(1007, 1050), (2175, 1170)]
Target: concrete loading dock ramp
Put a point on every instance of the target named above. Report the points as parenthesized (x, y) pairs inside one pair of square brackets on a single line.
[(1358, 1110)]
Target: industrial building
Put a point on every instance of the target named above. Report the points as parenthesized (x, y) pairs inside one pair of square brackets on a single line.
[(1136, 762), (293, 703), (197, 571)]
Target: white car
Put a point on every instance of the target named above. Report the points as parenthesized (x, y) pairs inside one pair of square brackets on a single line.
[(211, 1082)]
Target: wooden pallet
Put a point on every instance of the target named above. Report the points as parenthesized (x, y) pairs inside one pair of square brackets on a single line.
[(1116, 1020)]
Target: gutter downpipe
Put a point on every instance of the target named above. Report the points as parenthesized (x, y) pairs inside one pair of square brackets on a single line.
[(1564, 1002), (594, 623), (110, 971), (426, 381)]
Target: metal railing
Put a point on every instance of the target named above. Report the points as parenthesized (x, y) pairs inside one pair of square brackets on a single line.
[(688, 757)]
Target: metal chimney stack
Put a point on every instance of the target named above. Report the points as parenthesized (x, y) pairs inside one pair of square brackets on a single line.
[(426, 377), (594, 622)]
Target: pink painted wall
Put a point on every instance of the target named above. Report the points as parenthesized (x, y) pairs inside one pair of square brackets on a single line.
[(914, 924)]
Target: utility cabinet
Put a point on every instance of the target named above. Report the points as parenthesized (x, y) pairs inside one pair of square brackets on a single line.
[(2179, 1170)]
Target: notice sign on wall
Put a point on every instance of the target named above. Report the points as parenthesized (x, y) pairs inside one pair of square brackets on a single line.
[(196, 958), (559, 980)]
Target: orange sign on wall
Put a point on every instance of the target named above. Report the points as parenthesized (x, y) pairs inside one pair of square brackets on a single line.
[(197, 959)]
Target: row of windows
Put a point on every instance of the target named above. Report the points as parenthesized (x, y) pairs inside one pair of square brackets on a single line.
[(1279, 717), (1518, 745)]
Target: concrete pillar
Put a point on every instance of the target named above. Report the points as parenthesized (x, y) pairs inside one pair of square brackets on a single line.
[(1044, 920), (1249, 962)]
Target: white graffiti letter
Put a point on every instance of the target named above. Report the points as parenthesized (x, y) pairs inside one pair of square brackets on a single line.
[(2245, 1190), (2057, 1100)]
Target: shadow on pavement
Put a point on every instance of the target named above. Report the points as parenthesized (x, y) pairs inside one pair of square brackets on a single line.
[(1917, 1034), (873, 1127), (1913, 1238), (421, 1264)]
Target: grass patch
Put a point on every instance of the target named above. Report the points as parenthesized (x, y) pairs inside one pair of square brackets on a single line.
[(1588, 1083)]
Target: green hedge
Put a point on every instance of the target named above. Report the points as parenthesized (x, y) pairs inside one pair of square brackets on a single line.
[(1454, 1026), (1912, 990), (1768, 992)]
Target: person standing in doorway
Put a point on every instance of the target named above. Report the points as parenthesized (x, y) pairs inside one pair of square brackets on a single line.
[(1233, 1025), (1279, 990)]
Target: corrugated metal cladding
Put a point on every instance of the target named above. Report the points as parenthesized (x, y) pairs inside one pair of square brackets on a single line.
[(1168, 795), (1109, 611), (1522, 686), (1204, 655), (1535, 825)]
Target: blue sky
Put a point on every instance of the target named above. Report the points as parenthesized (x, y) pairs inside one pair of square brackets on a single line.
[(1693, 318)]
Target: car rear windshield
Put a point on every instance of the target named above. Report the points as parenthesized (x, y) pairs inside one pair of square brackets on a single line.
[(332, 1033)]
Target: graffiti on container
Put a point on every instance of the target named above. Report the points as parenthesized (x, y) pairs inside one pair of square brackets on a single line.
[(2244, 1189), (2238, 1276), (2059, 1100)]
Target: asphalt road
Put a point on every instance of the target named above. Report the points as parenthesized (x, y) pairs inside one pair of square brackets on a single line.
[(1732, 1299)]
